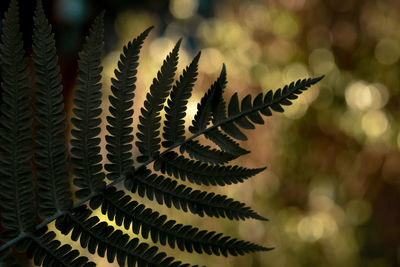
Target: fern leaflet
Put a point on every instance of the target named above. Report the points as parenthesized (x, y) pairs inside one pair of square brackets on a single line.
[(99, 236), (202, 173), (120, 137), (117, 205), (16, 189), (85, 149), (174, 128), (150, 118), (47, 252), (168, 192), (51, 152), (206, 153)]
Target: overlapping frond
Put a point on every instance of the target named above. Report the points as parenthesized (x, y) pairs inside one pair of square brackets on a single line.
[(206, 153), (225, 142), (16, 188), (51, 153), (86, 157), (218, 109), (108, 242), (46, 251), (208, 103), (169, 192), (150, 118), (202, 173), (119, 123), (174, 125), (119, 207)]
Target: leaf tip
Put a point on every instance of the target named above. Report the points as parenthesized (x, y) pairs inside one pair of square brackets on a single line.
[(315, 80)]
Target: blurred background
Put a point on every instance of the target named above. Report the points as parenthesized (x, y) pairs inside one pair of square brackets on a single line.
[(332, 187)]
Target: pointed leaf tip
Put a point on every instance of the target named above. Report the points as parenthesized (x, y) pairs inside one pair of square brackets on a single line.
[(149, 28), (315, 80), (197, 57), (178, 44)]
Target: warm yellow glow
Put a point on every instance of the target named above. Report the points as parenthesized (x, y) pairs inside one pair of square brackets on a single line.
[(211, 61), (248, 53), (295, 71), (310, 228), (130, 23), (296, 111), (362, 96), (317, 226), (374, 123), (319, 201), (285, 25), (183, 9), (160, 47), (271, 79), (358, 95), (109, 63)]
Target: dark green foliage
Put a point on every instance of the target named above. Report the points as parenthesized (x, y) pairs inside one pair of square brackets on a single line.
[(169, 192), (218, 122), (16, 195), (174, 128), (206, 153), (47, 252), (207, 103), (202, 173), (225, 142), (149, 144), (119, 123), (108, 242), (86, 157), (50, 152), (119, 207)]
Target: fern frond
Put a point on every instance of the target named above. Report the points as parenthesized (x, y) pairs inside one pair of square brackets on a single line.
[(119, 123), (218, 111), (225, 142), (46, 251), (99, 236), (117, 205), (86, 157), (150, 118), (242, 117), (208, 103), (206, 153), (51, 152), (174, 128), (16, 189), (202, 173), (168, 192)]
